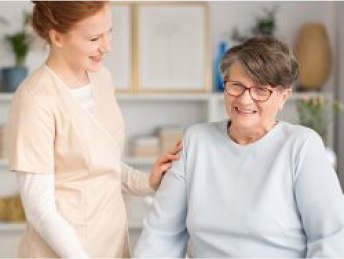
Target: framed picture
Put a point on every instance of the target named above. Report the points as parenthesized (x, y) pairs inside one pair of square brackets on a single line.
[(172, 47), (119, 60)]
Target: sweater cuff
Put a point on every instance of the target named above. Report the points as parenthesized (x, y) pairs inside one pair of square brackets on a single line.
[(145, 182)]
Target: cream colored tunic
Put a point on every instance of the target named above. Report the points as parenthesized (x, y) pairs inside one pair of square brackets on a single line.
[(49, 131)]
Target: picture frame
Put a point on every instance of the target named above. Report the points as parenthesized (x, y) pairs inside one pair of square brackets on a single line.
[(172, 48), (120, 60)]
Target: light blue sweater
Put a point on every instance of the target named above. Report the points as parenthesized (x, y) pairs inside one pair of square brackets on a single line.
[(276, 197)]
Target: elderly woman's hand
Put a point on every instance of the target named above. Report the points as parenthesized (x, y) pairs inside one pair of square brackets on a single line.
[(162, 164)]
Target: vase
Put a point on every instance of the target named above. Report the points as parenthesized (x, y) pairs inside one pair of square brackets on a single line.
[(314, 56), (12, 77), (218, 78)]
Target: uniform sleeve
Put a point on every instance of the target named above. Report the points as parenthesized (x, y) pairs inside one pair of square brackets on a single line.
[(135, 182), (31, 134), (164, 228), (320, 200)]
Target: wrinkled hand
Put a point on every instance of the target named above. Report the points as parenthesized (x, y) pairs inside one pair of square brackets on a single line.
[(162, 164)]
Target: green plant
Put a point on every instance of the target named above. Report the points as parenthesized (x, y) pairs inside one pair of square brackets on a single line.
[(19, 41), (264, 25), (315, 113), (2, 21)]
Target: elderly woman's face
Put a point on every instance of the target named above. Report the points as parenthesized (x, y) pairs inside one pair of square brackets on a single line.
[(246, 113)]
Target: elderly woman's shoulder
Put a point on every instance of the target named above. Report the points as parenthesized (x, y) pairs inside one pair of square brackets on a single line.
[(298, 132), (206, 128)]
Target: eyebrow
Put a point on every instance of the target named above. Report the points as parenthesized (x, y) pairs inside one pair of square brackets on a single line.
[(99, 34), (256, 85), (234, 81), (238, 82)]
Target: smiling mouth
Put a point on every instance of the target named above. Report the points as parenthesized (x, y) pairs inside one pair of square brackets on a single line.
[(245, 111), (96, 58)]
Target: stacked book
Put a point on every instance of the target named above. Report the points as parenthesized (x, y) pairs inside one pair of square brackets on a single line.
[(11, 209), (169, 136), (145, 146)]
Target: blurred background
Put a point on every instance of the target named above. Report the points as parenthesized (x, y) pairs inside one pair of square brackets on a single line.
[(165, 68)]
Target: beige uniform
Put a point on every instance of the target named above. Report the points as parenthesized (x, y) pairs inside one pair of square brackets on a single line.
[(49, 131)]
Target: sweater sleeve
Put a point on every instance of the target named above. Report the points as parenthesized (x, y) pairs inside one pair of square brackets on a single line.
[(320, 200), (135, 182), (38, 198), (164, 229)]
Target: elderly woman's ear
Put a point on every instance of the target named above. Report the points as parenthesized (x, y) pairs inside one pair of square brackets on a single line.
[(285, 95)]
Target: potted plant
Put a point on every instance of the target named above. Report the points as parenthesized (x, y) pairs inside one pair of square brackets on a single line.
[(19, 43), (315, 112), (264, 25)]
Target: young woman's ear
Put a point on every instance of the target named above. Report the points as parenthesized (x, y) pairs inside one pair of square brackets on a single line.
[(56, 38)]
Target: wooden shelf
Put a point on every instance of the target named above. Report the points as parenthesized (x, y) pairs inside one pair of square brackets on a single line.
[(3, 162), (183, 97), (142, 161), (6, 97), (303, 95), (12, 226), (135, 224), (164, 97), (19, 227), (148, 161)]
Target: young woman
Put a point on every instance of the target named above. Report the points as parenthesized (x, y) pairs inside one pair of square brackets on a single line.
[(66, 140)]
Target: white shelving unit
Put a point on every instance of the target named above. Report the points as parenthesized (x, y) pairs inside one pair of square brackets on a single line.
[(143, 114), (3, 163), (9, 239)]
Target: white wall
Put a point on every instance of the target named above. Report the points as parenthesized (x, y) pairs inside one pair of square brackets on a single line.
[(224, 15), (12, 11), (290, 16)]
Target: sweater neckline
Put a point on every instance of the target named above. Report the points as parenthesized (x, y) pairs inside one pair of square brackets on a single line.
[(259, 142)]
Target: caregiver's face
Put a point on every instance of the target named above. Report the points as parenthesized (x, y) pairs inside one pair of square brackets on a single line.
[(251, 106), (85, 44)]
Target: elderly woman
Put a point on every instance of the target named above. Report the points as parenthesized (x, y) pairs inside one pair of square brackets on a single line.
[(250, 186)]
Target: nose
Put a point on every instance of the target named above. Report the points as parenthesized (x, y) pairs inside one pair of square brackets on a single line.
[(105, 45), (245, 98)]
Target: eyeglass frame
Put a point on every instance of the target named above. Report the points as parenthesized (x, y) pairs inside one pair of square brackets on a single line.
[(247, 88)]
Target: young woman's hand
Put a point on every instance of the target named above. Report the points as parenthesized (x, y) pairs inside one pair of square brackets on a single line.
[(162, 164)]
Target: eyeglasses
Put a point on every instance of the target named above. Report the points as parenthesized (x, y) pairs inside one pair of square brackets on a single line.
[(257, 93)]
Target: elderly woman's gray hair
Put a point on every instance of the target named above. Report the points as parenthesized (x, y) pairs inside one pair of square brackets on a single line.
[(265, 59)]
